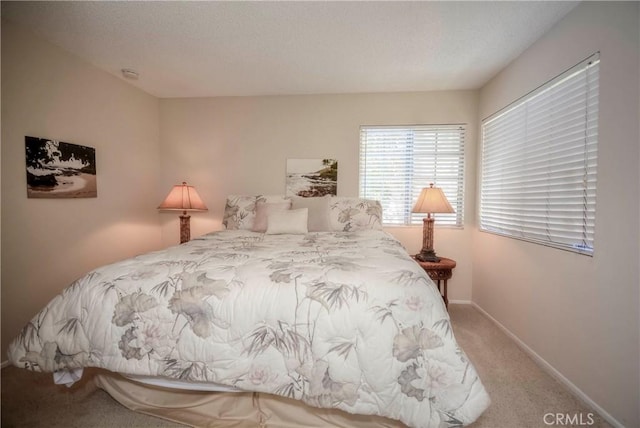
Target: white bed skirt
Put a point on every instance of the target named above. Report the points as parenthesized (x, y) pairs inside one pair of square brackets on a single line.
[(229, 409)]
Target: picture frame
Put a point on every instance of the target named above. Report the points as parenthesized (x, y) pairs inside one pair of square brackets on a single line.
[(311, 177), (56, 169)]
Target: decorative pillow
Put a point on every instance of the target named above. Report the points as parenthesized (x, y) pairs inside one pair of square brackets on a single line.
[(263, 209), (291, 221), (352, 214), (240, 210), (318, 212)]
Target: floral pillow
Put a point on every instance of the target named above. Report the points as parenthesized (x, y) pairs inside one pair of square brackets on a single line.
[(352, 214), (240, 210)]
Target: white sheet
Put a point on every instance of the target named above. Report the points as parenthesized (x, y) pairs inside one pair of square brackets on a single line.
[(180, 384)]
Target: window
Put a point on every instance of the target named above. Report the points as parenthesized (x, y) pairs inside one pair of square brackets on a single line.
[(396, 162), (539, 160)]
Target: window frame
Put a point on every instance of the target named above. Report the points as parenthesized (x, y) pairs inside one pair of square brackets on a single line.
[(455, 192), (586, 246)]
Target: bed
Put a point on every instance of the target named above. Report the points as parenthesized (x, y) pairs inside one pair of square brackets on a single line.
[(288, 308)]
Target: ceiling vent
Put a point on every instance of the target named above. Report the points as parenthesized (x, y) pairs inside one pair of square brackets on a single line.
[(128, 73)]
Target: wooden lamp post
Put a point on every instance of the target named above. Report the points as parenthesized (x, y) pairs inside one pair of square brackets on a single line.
[(431, 200), (183, 197)]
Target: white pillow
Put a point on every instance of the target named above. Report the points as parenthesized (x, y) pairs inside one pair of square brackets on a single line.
[(291, 221), (263, 209), (318, 212)]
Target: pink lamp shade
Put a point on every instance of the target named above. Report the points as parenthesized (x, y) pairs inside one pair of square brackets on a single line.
[(431, 200), (183, 197)]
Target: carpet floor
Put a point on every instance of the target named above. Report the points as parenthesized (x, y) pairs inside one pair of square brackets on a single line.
[(521, 392)]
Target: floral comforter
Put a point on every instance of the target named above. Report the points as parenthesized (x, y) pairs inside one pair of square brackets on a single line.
[(344, 320)]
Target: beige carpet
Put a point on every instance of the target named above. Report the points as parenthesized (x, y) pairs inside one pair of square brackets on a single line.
[(521, 392)]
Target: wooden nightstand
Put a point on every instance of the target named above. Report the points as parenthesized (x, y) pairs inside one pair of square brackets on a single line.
[(440, 271)]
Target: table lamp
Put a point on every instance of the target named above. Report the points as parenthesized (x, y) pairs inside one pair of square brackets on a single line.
[(431, 200), (183, 197)]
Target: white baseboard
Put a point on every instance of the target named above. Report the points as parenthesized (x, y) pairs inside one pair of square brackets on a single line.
[(461, 302), (4, 364), (552, 370)]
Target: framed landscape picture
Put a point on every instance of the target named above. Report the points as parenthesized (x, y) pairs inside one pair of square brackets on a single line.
[(60, 170), (312, 177)]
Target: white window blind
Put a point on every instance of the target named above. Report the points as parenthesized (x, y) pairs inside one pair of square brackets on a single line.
[(539, 161), (396, 162)]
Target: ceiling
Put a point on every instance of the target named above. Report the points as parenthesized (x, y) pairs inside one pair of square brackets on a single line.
[(198, 49)]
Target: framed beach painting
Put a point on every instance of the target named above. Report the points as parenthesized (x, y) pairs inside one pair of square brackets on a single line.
[(312, 177), (60, 170)]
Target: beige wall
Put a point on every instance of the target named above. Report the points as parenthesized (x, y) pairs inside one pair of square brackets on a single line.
[(47, 243), (578, 313), (239, 145)]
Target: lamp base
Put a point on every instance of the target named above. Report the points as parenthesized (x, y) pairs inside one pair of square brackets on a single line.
[(185, 228), (427, 256)]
